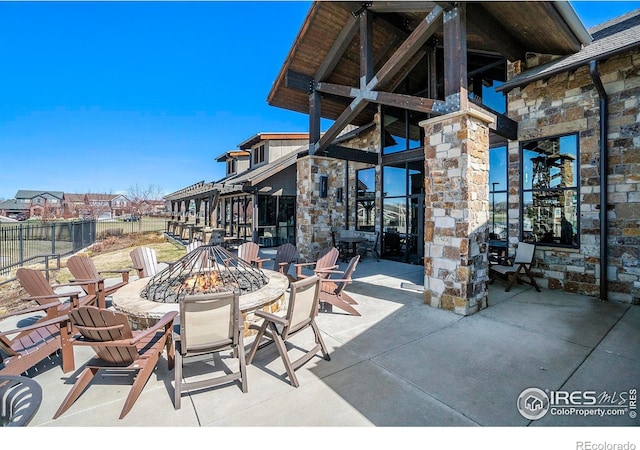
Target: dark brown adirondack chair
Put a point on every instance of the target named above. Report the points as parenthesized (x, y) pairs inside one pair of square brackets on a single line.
[(117, 348), (83, 269), (283, 260), (209, 324), (326, 262), (39, 290), (34, 343), (301, 312), (332, 291)]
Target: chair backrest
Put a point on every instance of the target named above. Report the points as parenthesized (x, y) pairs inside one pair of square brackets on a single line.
[(328, 259), (82, 268), (34, 282), (248, 251), (145, 260), (524, 253), (340, 285), (103, 325), (209, 322), (303, 303), (285, 254)]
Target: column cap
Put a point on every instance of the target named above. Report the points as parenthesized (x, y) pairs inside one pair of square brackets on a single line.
[(480, 115)]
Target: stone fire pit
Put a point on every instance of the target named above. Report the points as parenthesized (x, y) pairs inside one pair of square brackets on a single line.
[(143, 313)]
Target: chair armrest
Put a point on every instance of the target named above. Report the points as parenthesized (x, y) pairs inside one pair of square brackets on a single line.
[(305, 264), (163, 322), (272, 318), (328, 271), (48, 297), (35, 326), (30, 310), (336, 280)]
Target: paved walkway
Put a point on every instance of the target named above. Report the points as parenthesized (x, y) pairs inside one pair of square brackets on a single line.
[(401, 363)]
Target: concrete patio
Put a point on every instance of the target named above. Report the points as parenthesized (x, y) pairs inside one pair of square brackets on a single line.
[(401, 363)]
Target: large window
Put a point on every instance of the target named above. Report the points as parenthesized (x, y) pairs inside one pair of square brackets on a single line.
[(498, 195), (549, 206), (401, 131), (366, 199)]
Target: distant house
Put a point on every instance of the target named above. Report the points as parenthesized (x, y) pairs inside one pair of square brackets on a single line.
[(33, 204), (97, 206)]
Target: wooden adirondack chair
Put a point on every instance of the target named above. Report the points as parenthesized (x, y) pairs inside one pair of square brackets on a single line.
[(283, 260), (249, 252), (39, 289), (326, 262), (117, 348), (332, 291), (82, 268), (33, 343)]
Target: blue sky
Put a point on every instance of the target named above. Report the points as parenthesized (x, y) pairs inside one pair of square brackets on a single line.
[(100, 96)]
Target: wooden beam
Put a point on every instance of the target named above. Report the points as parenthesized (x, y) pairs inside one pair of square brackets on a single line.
[(298, 81), (409, 47), (350, 154), (404, 101), (455, 54), (350, 113), (501, 125), (366, 47), (338, 48), (315, 114)]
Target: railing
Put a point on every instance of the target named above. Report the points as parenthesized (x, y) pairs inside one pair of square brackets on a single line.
[(24, 242), (37, 242)]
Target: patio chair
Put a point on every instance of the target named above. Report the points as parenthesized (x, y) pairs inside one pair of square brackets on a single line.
[(82, 268), (249, 252), (117, 348), (39, 290), (522, 262), (301, 312), (285, 255), (332, 289), (326, 262), (20, 399), (27, 346), (370, 247), (209, 324), (145, 260)]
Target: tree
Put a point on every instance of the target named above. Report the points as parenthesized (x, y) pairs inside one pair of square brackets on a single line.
[(140, 197)]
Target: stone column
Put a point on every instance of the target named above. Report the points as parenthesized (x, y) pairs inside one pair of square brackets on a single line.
[(315, 216), (456, 211)]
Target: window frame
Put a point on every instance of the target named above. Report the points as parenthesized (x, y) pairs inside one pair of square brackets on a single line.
[(575, 188)]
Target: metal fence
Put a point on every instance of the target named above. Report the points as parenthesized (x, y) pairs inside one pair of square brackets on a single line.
[(40, 243)]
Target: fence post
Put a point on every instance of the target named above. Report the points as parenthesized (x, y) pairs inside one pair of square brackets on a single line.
[(53, 238), (20, 245)]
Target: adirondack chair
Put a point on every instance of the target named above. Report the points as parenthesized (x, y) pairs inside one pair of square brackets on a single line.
[(82, 268), (145, 260), (249, 252), (20, 399), (370, 247), (326, 262), (34, 282), (283, 260), (117, 348), (301, 312), (332, 290), (27, 346)]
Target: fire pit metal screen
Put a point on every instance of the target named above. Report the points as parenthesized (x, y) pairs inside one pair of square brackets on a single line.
[(205, 270)]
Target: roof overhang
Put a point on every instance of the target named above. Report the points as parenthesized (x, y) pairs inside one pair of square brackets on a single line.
[(508, 29), (259, 137)]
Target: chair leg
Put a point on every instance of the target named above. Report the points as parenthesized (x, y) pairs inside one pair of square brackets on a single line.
[(177, 392), (319, 340), (256, 342), (242, 362), (282, 349), (531, 279), (78, 388), (138, 384), (340, 303)]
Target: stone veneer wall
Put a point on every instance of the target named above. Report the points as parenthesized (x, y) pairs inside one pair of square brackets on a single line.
[(567, 103), (316, 217), (456, 211)]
